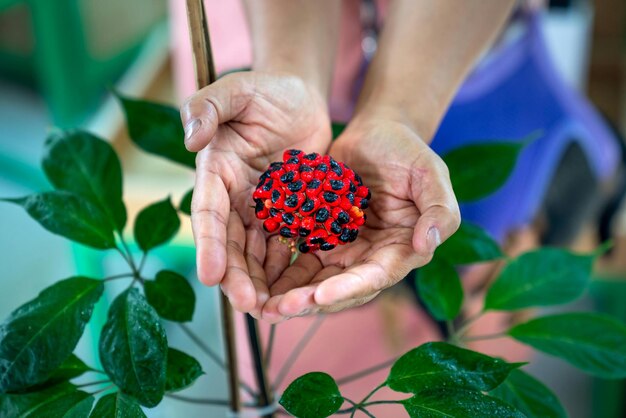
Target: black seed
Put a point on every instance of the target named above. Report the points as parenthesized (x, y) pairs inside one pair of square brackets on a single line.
[(322, 215), (274, 212), (352, 187), (295, 186), (288, 218), (337, 170), (326, 246), (364, 203), (305, 168), (293, 160), (312, 156), (287, 177), (259, 206), (350, 197), (294, 152), (343, 218), (275, 167), (303, 248), (345, 235), (335, 228), (317, 240), (322, 167), (369, 195), (275, 196), (262, 179), (291, 201), (308, 206), (336, 184), (330, 197), (353, 234), (358, 179), (286, 232), (268, 186), (303, 232), (314, 184)]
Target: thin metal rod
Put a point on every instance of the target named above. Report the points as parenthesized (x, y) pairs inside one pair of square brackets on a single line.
[(260, 372), (270, 346), (205, 75)]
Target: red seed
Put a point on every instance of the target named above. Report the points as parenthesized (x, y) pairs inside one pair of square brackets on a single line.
[(270, 225)]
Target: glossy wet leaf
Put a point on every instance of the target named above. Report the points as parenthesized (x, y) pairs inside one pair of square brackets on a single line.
[(440, 289), (548, 276), (592, 342), (182, 370), (469, 244), (156, 224), (457, 403), (116, 405), (84, 164), (529, 395), (40, 335), (72, 367), (71, 216), (478, 170), (185, 203), (313, 395), (171, 295), (61, 401), (439, 364), (133, 348), (157, 129)]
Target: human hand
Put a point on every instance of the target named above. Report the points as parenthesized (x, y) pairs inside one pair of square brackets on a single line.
[(240, 124), (412, 210)]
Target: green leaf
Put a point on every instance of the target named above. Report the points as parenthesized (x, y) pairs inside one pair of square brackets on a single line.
[(469, 244), (71, 216), (440, 289), (457, 403), (40, 335), (61, 401), (548, 276), (133, 348), (478, 170), (116, 405), (157, 129), (592, 342), (182, 370), (85, 165), (156, 224), (171, 296), (438, 364), (185, 203), (530, 396), (313, 395), (72, 367)]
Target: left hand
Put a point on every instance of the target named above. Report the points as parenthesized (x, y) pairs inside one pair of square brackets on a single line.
[(412, 210)]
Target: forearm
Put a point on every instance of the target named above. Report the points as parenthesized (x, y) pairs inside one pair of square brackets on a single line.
[(425, 51), (298, 37)]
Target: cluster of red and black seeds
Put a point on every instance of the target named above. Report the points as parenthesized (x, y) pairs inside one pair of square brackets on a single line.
[(311, 199)]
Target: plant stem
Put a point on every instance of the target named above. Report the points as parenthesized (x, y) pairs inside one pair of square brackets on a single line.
[(97, 382), (468, 322), (293, 356), (118, 276), (380, 403), (202, 401), (366, 372), (270, 346), (354, 408), (376, 389), (452, 337), (483, 337), (143, 261), (108, 387)]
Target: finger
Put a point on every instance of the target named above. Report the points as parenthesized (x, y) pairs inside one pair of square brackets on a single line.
[(301, 301), (439, 210), (209, 214), (237, 284), (381, 270), (213, 105), (270, 311), (277, 259), (300, 273)]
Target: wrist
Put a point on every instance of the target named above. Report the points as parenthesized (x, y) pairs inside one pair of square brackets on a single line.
[(305, 72)]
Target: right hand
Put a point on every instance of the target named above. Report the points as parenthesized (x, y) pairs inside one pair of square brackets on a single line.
[(240, 124)]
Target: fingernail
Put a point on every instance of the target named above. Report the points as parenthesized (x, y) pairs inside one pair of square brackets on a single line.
[(434, 238), (191, 128)]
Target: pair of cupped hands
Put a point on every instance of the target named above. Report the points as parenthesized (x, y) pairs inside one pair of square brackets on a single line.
[(242, 123)]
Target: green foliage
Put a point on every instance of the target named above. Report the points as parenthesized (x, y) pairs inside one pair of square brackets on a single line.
[(133, 348), (185, 203), (116, 405), (72, 367), (182, 370), (313, 395), (171, 295), (592, 342), (469, 244), (83, 164), (71, 216), (439, 364), (478, 170), (529, 395), (156, 129), (534, 278), (61, 401), (156, 224), (41, 334), (440, 289)]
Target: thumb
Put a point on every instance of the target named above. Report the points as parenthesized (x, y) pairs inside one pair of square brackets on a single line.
[(213, 105)]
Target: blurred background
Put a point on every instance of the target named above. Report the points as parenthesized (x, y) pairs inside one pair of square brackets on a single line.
[(59, 59)]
